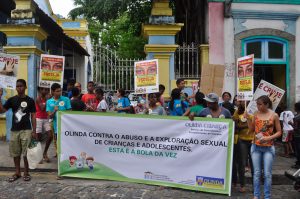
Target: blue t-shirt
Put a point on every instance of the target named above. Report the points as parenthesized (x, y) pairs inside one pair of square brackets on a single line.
[(123, 103), (206, 113), (179, 107), (63, 104)]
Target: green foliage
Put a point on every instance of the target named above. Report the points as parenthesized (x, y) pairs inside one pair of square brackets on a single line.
[(116, 23)]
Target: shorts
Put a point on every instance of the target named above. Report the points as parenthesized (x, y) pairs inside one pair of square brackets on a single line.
[(287, 136), (42, 124), (19, 142)]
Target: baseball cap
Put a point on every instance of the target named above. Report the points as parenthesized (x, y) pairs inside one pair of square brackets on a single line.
[(212, 97)]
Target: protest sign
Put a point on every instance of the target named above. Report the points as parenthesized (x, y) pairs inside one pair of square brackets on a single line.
[(265, 88), (9, 65), (146, 76), (167, 151), (212, 78), (245, 68), (51, 70)]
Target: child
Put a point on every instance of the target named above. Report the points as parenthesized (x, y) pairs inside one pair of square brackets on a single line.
[(56, 103), (42, 121), (23, 127), (286, 118), (102, 106), (176, 106)]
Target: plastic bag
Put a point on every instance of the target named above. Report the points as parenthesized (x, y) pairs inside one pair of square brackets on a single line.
[(34, 154)]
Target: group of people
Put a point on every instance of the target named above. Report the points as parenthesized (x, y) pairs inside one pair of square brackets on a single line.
[(253, 139)]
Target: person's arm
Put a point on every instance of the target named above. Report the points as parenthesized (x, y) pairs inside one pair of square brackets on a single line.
[(277, 128), (51, 112), (33, 122), (2, 108), (250, 122), (68, 104), (187, 112)]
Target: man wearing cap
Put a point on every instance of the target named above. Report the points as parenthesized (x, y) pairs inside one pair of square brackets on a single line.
[(213, 109)]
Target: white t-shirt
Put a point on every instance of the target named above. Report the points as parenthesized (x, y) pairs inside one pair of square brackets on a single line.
[(102, 105), (286, 117)]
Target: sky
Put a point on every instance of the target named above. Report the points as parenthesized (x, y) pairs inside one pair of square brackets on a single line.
[(62, 7)]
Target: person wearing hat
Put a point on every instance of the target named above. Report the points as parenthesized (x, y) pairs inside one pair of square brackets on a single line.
[(213, 109)]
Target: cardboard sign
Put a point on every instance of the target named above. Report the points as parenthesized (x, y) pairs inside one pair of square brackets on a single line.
[(265, 88), (9, 65), (212, 79)]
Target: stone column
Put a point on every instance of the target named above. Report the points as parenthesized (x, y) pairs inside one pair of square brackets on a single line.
[(24, 38), (161, 32)]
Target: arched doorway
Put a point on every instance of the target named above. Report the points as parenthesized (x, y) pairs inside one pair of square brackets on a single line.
[(271, 61)]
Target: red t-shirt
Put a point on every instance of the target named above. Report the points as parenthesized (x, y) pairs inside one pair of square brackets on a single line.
[(39, 113), (90, 100)]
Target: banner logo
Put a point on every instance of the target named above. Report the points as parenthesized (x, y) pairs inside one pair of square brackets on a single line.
[(208, 182)]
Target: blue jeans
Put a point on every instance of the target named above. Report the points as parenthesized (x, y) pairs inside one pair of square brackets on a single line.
[(265, 154)]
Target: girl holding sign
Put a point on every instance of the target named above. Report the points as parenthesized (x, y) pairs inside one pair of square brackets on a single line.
[(266, 127)]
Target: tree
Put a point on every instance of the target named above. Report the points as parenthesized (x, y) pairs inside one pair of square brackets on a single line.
[(116, 23)]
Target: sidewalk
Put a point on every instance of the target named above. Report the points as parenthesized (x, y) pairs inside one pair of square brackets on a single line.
[(281, 164), (6, 162)]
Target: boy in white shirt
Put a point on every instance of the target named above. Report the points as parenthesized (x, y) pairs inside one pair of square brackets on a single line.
[(102, 106), (286, 117)]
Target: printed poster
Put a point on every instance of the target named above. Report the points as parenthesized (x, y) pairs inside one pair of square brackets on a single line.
[(146, 76), (245, 81), (9, 65), (167, 151), (265, 88), (51, 70)]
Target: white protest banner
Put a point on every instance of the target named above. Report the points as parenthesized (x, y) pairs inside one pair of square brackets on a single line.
[(265, 88), (245, 68), (9, 65), (146, 76), (51, 70), (167, 151)]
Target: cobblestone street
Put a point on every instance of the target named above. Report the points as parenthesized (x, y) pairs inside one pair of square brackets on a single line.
[(45, 185)]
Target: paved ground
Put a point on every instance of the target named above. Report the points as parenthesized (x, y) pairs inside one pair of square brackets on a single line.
[(44, 184)]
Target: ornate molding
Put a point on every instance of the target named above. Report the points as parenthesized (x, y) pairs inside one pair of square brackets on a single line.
[(23, 50), (164, 29), (156, 48), (21, 31)]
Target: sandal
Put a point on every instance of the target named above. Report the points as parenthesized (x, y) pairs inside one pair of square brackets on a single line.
[(242, 190), (46, 159), (26, 177), (14, 178)]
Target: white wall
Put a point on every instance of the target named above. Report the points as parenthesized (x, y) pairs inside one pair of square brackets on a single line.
[(297, 75), (229, 79)]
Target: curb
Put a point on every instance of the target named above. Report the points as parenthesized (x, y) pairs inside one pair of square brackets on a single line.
[(276, 178)]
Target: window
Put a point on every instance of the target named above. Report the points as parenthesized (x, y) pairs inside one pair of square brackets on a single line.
[(254, 48), (266, 50), (275, 50)]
